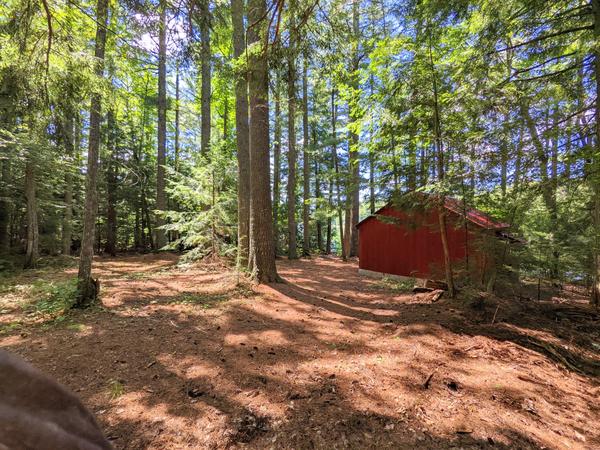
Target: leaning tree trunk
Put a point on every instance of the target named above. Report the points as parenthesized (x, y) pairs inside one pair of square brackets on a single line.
[(87, 288), (161, 196), (32, 249), (261, 213), (242, 135)]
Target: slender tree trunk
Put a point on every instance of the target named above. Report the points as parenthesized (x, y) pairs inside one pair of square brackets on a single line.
[(111, 187), (176, 162), (87, 288), (395, 174), (371, 182), (277, 164), (354, 156), (242, 136), (440, 169), (261, 213), (504, 162), (32, 249), (318, 195), (226, 118), (329, 232), (161, 196), (206, 76), (5, 206), (305, 164), (596, 163), (549, 183), (412, 163), (67, 221), (336, 167), (291, 184)]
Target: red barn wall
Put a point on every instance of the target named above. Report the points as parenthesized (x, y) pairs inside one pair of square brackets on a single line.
[(412, 246)]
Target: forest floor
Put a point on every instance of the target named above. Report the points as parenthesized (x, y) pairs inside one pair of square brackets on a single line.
[(182, 357)]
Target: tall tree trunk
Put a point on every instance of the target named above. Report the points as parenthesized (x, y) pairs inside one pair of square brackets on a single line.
[(176, 162), (336, 167), (242, 135), (329, 229), (371, 181), (161, 196), (319, 223), (354, 157), (549, 183), (504, 161), (261, 213), (412, 163), (32, 249), (67, 220), (206, 76), (305, 164), (277, 164), (395, 174), (596, 163), (5, 206), (291, 184), (111, 186), (87, 288), (440, 173)]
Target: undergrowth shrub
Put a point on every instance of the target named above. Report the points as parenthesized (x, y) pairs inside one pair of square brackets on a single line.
[(54, 298)]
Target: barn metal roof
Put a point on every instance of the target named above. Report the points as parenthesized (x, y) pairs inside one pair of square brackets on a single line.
[(473, 215)]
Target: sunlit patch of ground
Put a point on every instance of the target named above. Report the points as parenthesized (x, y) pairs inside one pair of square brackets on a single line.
[(188, 358)]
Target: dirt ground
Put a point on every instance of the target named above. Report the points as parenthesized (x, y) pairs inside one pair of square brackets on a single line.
[(180, 358)]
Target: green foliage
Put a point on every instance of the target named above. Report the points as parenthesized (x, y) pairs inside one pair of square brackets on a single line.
[(206, 221), (53, 299)]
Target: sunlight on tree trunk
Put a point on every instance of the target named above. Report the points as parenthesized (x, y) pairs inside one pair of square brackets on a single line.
[(87, 288)]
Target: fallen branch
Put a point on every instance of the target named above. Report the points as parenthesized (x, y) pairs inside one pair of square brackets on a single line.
[(495, 312)]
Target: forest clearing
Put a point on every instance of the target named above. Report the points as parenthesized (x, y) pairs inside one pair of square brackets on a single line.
[(183, 358), (291, 224)]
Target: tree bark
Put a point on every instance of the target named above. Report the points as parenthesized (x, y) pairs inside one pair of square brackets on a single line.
[(277, 164), (161, 196), (111, 186), (549, 183), (336, 167), (176, 162), (67, 221), (32, 248), (242, 135), (291, 184), (5, 206), (87, 288), (206, 76), (261, 213), (595, 299), (354, 156), (305, 164), (440, 173), (319, 224)]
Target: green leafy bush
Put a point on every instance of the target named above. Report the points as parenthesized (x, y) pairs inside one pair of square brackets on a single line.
[(54, 298)]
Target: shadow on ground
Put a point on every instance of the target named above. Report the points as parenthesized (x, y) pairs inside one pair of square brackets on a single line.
[(327, 360)]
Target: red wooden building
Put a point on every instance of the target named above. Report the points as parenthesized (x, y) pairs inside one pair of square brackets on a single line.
[(405, 240)]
